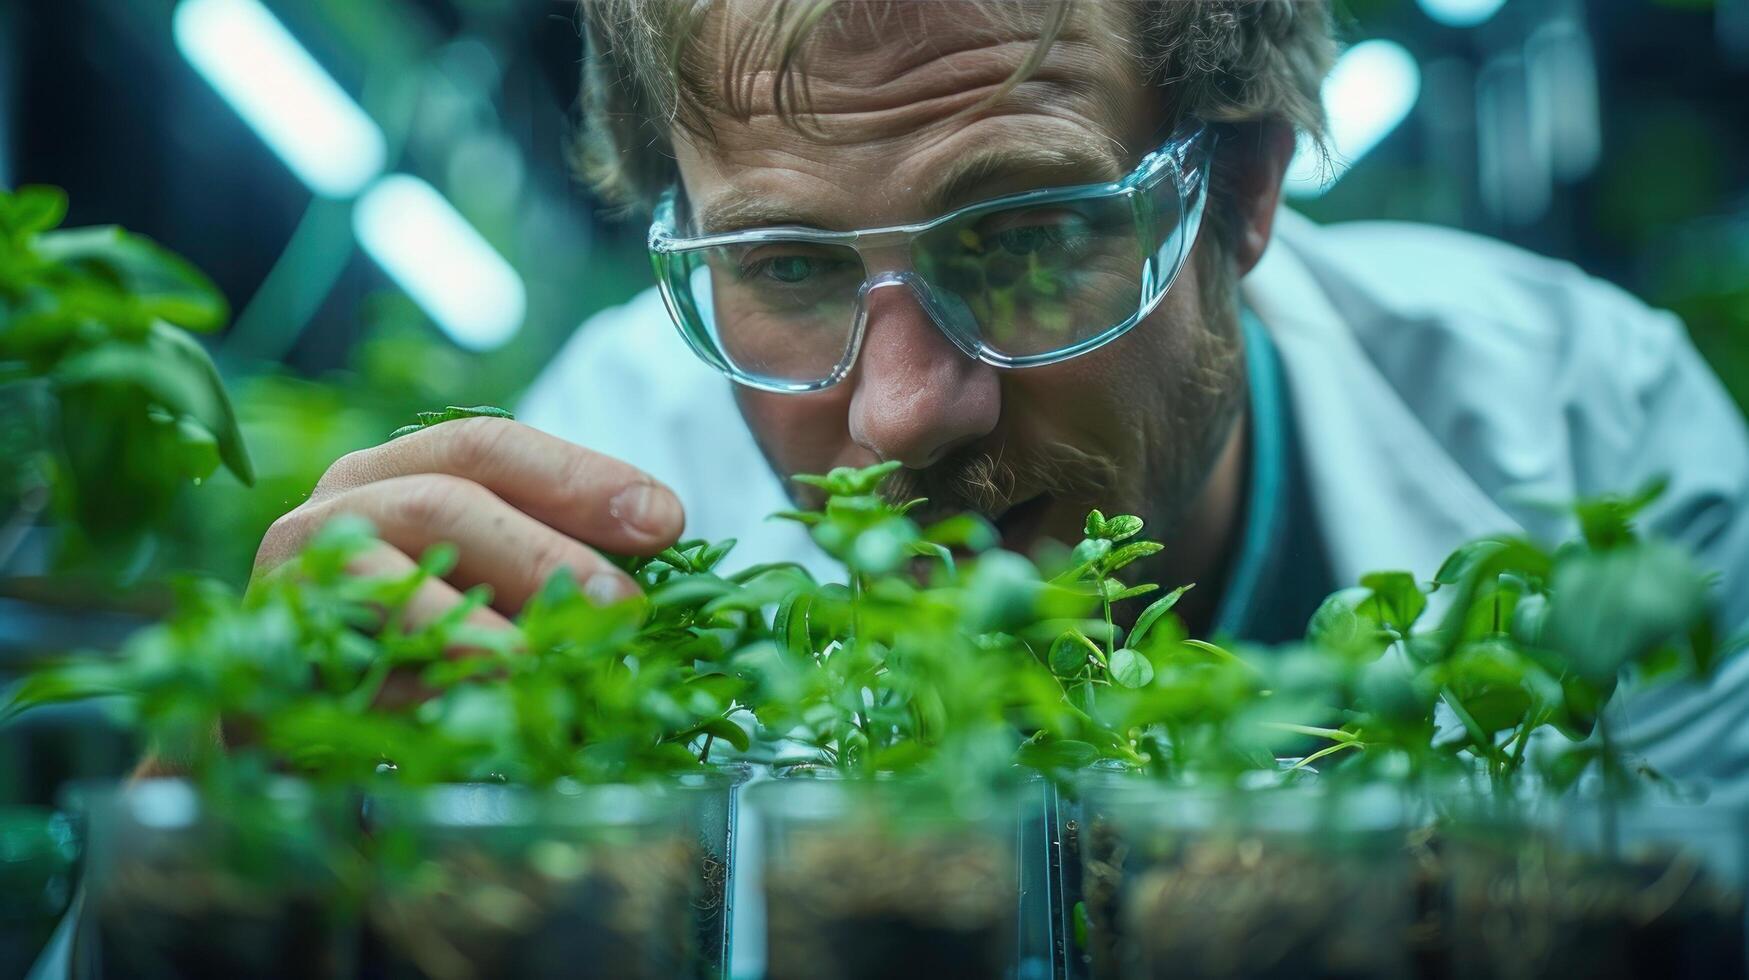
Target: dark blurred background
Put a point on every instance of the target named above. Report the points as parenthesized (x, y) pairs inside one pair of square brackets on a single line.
[(346, 170)]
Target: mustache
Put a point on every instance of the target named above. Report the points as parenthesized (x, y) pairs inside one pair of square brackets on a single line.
[(991, 481)]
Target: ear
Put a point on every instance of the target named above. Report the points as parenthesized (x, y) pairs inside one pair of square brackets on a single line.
[(1255, 156)]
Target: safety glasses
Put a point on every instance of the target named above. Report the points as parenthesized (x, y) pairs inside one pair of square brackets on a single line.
[(1018, 281)]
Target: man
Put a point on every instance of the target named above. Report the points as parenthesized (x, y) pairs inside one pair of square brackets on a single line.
[(1034, 252)]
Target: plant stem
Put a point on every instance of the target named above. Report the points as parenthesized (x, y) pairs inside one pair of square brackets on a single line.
[(1110, 628), (855, 606), (1611, 831), (704, 754)]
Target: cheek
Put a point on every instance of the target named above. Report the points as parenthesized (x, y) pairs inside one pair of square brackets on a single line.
[(800, 433), (1119, 395)]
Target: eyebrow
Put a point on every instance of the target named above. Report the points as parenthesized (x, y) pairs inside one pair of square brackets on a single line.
[(966, 181)]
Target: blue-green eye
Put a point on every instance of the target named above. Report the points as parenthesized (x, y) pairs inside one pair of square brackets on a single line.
[(790, 269)]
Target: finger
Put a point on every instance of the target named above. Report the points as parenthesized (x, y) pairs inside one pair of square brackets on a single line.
[(497, 544), (431, 601), (591, 497)]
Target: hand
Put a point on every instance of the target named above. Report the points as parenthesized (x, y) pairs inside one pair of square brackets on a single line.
[(517, 503)]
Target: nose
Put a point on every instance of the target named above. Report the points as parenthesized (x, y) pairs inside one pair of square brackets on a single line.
[(917, 397)]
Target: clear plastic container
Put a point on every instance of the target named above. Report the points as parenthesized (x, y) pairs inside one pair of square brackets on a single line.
[(708, 803), (38, 854), (487, 881), (1587, 887), (1283, 881), (868, 879), (189, 884)]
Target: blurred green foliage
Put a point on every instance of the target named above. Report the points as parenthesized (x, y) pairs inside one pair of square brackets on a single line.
[(113, 406)]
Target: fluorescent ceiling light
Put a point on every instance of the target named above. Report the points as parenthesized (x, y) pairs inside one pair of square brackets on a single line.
[(1368, 93), (302, 114), (432, 252), (1461, 13)]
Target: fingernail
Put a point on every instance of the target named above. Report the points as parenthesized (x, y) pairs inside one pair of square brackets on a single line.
[(606, 588), (646, 508)]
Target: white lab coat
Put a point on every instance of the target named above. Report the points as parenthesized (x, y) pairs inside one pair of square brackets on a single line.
[(1443, 384)]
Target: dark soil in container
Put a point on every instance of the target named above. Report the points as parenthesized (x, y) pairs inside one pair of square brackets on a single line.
[(1101, 884), (1538, 913), (1241, 907), (472, 915), (859, 908), (152, 922)]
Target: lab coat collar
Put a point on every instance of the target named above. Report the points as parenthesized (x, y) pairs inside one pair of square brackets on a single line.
[(1385, 493)]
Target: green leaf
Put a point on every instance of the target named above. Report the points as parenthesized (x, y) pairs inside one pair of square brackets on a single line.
[(728, 731), (1337, 626), (1612, 608), (173, 373), (199, 450), (883, 547), (1608, 521), (968, 531), (451, 413), (1156, 609), (1130, 669), (1131, 552), (62, 683), (1398, 596), (1095, 525), (32, 209), (1057, 755), (1089, 550), (690, 591), (440, 559), (845, 481), (1121, 527), (158, 284), (1068, 654)]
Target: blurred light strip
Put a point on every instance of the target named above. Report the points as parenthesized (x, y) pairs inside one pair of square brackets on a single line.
[(1368, 93), (302, 114), (1461, 13), (432, 252)]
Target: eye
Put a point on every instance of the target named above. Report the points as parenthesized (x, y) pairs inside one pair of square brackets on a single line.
[(773, 268), (788, 269)]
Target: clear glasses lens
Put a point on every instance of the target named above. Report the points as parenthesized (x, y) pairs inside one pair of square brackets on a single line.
[(1023, 281), (778, 311), (1037, 279)]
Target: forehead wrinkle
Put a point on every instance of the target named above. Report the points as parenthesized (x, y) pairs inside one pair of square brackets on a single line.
[(921, 61), (841, 110), (1087, 158)]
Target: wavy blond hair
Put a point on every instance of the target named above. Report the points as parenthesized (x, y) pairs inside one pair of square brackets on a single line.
[(645, 74)]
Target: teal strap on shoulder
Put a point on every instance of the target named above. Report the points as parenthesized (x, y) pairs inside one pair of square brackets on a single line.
[(1265, 505)]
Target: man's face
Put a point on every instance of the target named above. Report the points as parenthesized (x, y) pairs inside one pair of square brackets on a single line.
[(1134, 426)]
